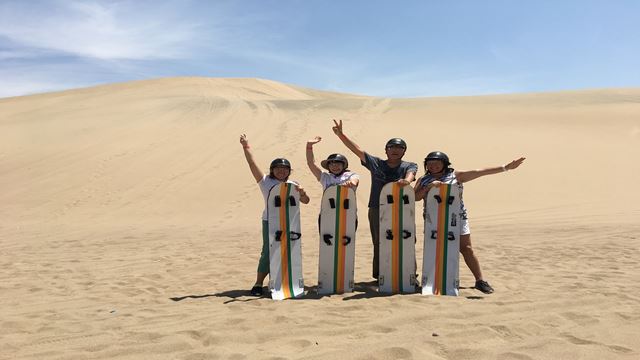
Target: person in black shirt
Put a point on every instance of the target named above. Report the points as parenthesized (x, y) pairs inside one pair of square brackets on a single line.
[(393, 168)]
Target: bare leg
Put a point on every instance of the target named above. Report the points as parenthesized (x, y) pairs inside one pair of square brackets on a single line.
[(260, 278), (469, 257)]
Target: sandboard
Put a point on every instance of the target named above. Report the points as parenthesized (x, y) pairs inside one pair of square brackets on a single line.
[(337, 240), (440, 270), (285, 252), (397, 239)]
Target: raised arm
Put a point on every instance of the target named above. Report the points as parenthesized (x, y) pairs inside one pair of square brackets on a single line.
[(466, 176), (310, 158), (255, 170), (337, 129)]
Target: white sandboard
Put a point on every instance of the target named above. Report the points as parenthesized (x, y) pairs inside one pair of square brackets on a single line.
[(285, 253), (440, 269), (337, 240), (397, 239)]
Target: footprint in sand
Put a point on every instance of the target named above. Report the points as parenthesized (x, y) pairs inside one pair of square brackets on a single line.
[(382, 329), (396, 353), (300, 344), (513, 356)]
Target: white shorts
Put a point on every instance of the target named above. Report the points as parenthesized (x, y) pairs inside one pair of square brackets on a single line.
[(465, 229)]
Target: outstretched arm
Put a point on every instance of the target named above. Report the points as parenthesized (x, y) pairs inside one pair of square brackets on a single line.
[(310, 158), (255, 170), (466, 176), (337, 129)]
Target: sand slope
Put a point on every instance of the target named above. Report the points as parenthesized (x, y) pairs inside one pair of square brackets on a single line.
[(129, 224)]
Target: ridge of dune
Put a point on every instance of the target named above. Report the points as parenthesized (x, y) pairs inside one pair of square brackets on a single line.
[(229, 88), (264, 89)]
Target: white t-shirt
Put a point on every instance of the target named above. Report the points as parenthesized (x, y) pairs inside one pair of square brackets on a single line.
[(328, 179), (265, 186)]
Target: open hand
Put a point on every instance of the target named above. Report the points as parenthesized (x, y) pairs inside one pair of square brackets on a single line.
[(315, 140), (514, 164)]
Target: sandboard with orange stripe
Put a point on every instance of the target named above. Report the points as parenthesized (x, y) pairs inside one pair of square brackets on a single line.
[(397, 239), (337, 240), (285, 252), (440, 270)]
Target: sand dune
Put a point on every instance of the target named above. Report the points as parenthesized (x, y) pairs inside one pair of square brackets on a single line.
[(129, 224)]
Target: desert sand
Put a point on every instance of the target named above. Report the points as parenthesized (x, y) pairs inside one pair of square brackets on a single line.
[(130, 224)]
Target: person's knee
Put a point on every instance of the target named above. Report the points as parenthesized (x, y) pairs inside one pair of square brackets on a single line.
[(465, 245), (466, 250)]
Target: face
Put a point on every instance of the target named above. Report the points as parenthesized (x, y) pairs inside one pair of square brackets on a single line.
[(435, 166), (395, 152), (335, 167), (281, 172)]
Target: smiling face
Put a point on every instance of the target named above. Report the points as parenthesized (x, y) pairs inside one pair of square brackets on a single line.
[(335, 167), (435, 166), (281, 172), (395, 152)]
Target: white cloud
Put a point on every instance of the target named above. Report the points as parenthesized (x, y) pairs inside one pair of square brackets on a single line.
[(102, 30)]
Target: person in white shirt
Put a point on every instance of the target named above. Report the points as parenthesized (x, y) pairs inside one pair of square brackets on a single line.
[(439, 171), (336, 165), (279, 171)]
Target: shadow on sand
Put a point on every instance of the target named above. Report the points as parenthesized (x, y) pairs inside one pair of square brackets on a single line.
[(361, 290)]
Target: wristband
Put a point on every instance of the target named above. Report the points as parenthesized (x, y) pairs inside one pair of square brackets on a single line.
[(504, 168), (246, 146)]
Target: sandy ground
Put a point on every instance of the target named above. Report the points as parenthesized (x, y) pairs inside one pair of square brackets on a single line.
[(130, 224)]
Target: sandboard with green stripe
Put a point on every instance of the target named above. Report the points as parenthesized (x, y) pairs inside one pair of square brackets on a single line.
[(285, 251), (440, 270), (337, 240), (397, 239)]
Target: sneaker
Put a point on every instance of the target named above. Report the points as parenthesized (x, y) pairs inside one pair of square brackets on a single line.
[(256, 290), (484, 286)]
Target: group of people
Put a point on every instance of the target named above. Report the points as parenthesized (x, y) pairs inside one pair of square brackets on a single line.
[(393, 168)]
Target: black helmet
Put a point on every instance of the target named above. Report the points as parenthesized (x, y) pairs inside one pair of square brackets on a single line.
[(396, 142), (437, 155), (280, 162), (335, 157)]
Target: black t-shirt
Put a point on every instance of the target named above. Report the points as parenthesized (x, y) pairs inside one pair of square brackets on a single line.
[(382, 174)]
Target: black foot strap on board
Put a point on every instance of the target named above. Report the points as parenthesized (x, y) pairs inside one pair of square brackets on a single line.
[(450, 235), (332, 203), (277, 201), (292, 235), (327, 238), (405, 234), (346, 240), (450, 199), (389, 234)]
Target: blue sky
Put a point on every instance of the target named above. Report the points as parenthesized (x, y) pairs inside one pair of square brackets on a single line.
[(381, 48)]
